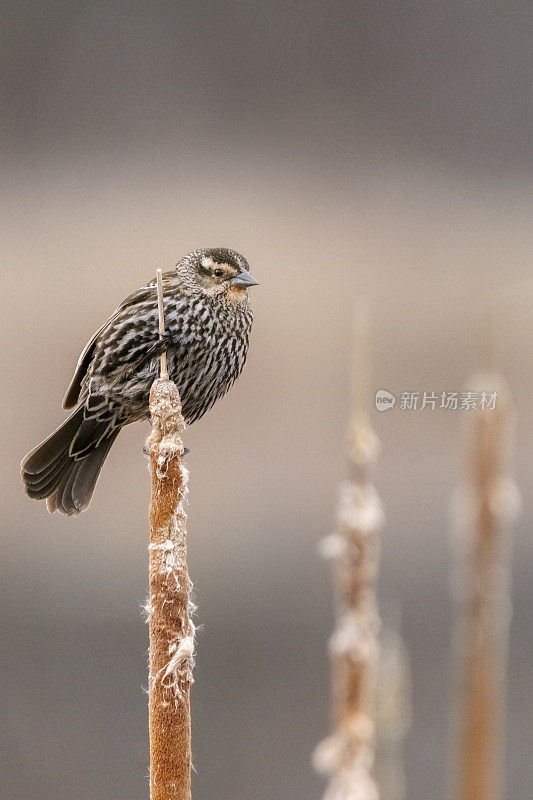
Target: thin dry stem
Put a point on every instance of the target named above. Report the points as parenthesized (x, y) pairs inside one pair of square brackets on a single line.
[(348, 754), (161, 311), (486, 507)]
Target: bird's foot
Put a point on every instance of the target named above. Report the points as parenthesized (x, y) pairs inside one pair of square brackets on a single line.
[(162, 344)]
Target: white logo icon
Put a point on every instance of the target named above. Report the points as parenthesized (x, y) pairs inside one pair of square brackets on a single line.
[(384, 400)]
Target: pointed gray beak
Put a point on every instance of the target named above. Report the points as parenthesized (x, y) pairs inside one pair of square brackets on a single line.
[(243, 280)]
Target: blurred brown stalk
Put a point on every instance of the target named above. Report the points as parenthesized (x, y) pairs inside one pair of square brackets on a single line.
[(348, 755), (393, 713), (170, 625), (485, 510)]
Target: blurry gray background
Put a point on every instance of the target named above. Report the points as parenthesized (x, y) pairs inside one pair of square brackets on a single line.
[(344, 148)]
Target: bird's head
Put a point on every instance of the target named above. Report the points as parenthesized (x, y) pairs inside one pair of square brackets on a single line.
[(216, 271)]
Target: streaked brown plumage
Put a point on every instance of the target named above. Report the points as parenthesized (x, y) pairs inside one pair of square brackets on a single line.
[(207, 322)]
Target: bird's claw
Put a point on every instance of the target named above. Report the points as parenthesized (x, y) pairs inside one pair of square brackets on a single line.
[(162, 344)]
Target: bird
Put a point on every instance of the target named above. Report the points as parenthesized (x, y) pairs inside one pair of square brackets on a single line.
[(207, 327)]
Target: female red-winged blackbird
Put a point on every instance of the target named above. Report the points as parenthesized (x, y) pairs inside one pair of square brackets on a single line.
[(207, 323)]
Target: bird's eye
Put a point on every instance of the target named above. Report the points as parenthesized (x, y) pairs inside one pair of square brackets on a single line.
[(218, 272)]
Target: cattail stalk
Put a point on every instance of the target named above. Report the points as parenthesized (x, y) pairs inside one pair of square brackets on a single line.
[(485, 509), (393, 716), (348, 755), (170, 625)]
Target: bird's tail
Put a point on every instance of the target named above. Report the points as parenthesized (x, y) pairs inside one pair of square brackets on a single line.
[(56, 472)]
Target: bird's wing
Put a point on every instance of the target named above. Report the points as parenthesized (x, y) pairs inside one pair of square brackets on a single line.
[(73, 392)]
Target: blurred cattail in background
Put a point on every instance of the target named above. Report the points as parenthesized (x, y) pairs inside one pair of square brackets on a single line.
[(393, 713), (348, 754), (484, 510)]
